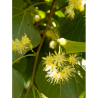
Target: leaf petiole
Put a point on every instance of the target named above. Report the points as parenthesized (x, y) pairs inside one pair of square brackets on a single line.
[(23, 57)]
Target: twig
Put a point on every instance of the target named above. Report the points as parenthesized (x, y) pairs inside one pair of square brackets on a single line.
[(53, 32), (41, 32), (27, 2), (23, 57), (37, 24), (35, 63), (60, 8), (44, 35)]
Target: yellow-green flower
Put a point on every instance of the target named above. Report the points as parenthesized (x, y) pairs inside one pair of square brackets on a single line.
[(72, 59), (59, 58), (49, 59), (69, 70), (21, 46), (13, 45), (74, 4), (55, 72), (49, 67), (54, 76), (64, 76), (25, 40)]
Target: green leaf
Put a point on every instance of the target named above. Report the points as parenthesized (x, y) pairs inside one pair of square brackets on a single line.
[(72, 46), (22, 22), (71, 89), (29, 69), (60, 13), (31, 95), (21, 65), (74, 29), (36, 93), (82, 95), (17, 84), (41, 13), (81, 71), (60, 3), (23, 57)]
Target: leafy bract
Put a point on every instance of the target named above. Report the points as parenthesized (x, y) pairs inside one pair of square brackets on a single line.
[(22, 22), (72, 46), (71, 89), (17, 84)]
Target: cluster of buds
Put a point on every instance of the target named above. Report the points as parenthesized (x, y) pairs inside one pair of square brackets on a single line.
[(21, 46), (74, 4), (58, 67)]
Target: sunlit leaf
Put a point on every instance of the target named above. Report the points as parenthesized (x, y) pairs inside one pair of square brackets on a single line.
[(82, 95), (72, 46), (41, 14), (48, 0), (60, 13)]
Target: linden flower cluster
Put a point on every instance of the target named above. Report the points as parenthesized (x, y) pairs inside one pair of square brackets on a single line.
[(57, 69), (22, 45), (74, 4)]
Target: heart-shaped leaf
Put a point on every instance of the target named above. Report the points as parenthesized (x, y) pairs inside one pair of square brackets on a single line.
[(71, 89), (22, 22)]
